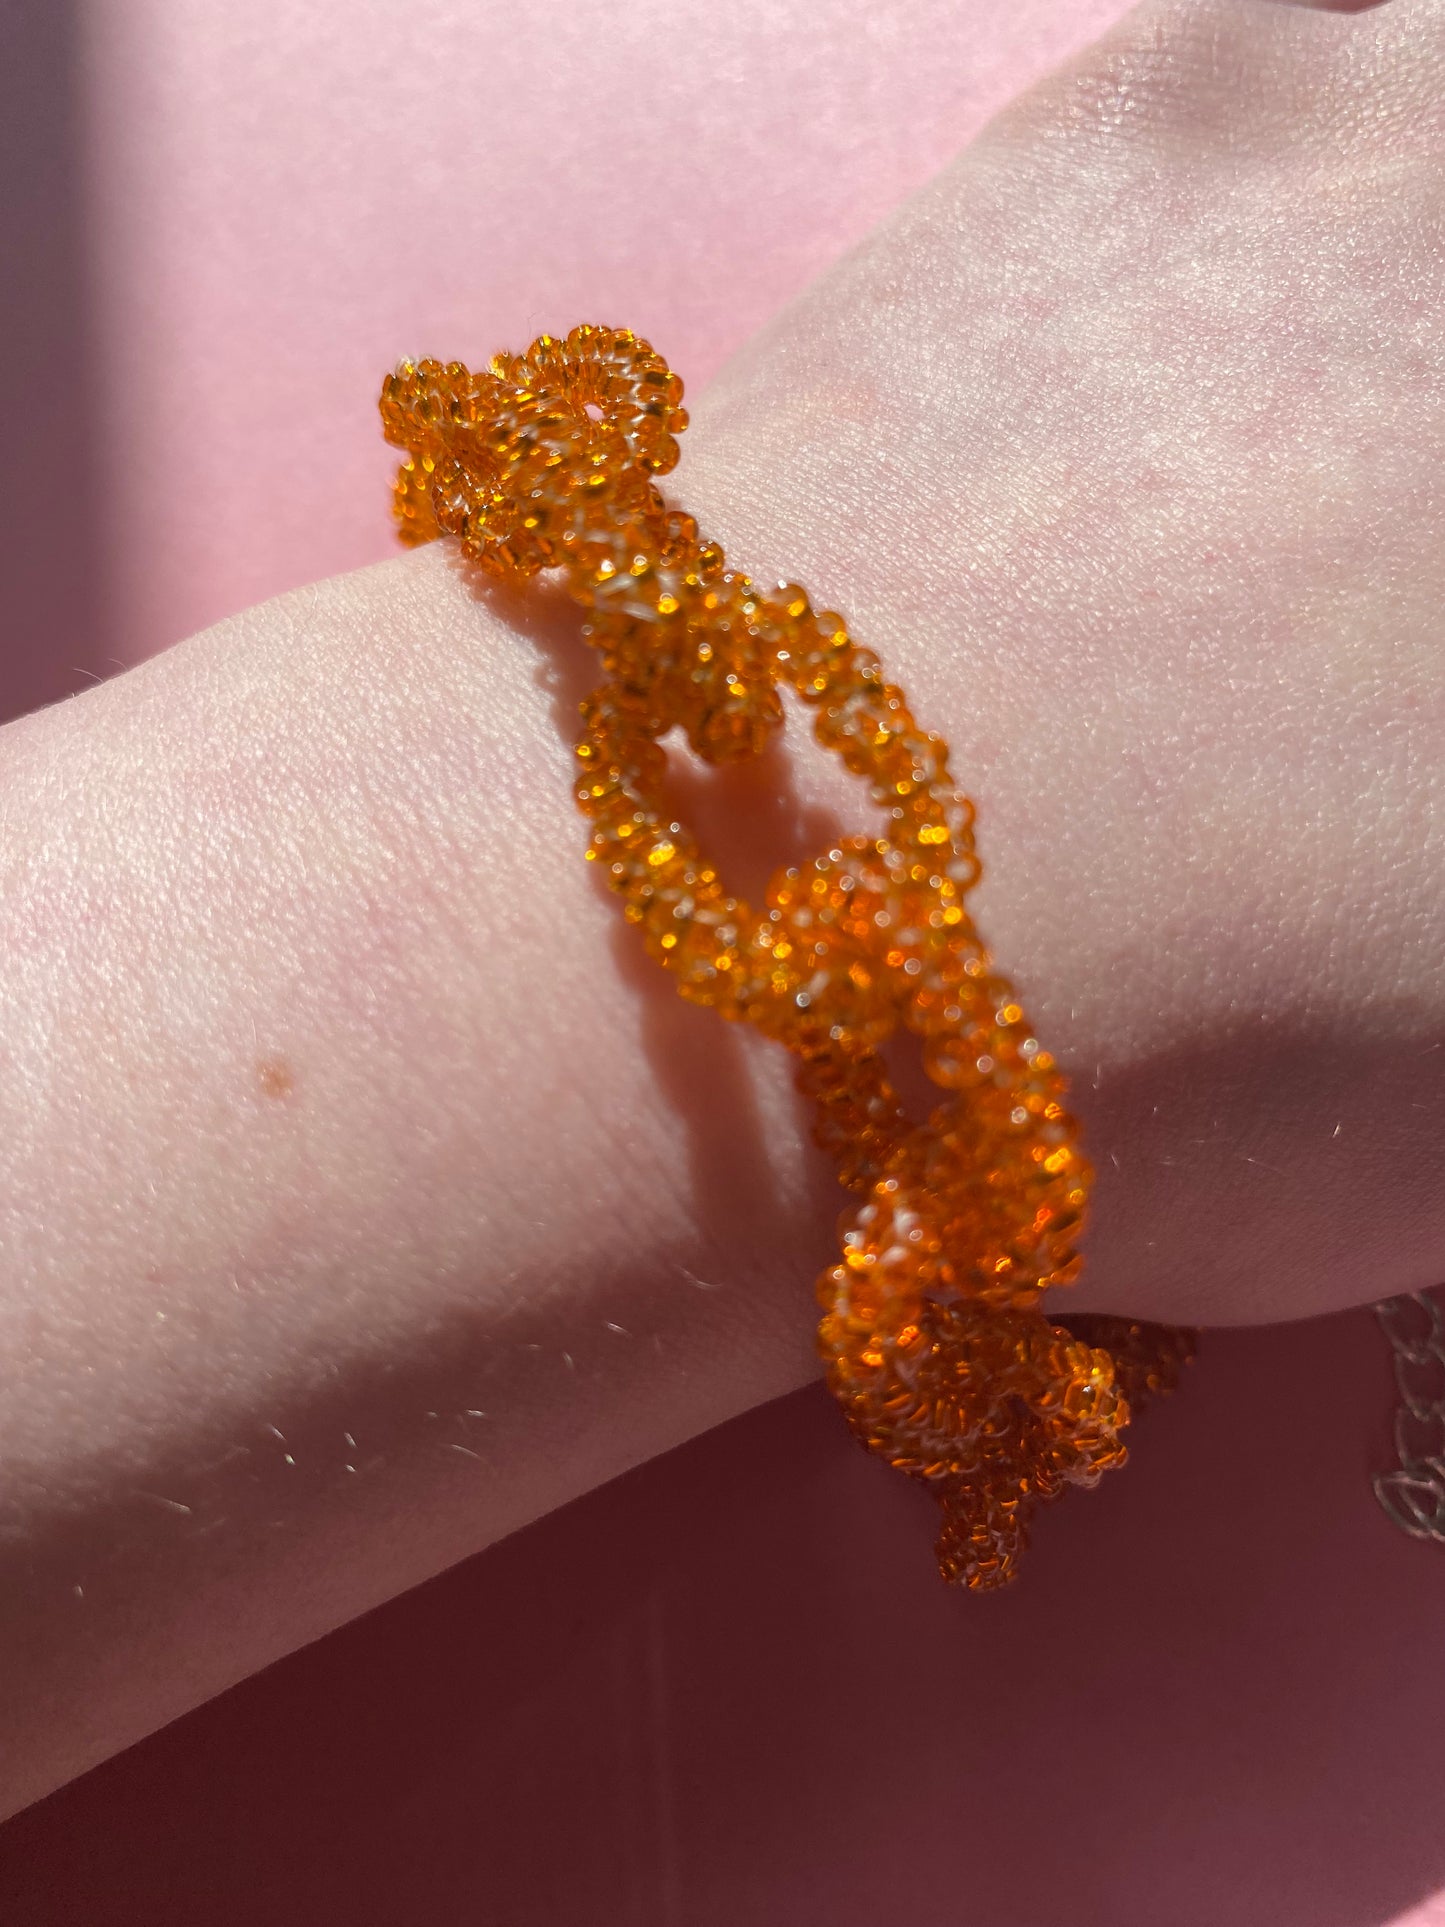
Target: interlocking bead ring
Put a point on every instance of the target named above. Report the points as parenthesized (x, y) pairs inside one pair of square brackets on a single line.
[(931, 1332)]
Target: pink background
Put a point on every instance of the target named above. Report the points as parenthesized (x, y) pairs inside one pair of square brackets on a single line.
[(728, 1688)]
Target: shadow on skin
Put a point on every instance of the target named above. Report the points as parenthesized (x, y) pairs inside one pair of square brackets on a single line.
[(751, 821), (728, 1688)]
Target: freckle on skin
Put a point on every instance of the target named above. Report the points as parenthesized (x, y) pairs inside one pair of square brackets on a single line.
[(275, 1077)]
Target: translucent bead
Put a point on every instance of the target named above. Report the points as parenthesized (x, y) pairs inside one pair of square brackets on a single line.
[(931, 1331)]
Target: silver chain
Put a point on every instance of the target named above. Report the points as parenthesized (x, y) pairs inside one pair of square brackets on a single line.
[(1414, 1493)]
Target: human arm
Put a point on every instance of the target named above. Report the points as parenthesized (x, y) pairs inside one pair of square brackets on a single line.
[(341, 1114)]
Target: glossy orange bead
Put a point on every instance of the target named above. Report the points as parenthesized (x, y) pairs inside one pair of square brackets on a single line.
[(931, 1334)]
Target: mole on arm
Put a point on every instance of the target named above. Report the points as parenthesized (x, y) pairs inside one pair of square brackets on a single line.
[(275, 1076)]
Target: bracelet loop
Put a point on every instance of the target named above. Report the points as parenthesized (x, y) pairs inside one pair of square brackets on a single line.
[(931, 1331)]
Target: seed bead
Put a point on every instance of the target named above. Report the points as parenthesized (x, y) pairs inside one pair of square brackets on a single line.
[(932, 1331)]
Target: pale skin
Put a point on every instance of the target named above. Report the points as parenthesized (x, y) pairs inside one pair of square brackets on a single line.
[(367, 1193)]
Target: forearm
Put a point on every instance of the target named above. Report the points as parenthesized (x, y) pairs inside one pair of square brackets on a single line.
[(363, 1198)]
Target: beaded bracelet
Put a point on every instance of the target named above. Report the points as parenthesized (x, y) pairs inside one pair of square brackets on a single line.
[(932, 1334)]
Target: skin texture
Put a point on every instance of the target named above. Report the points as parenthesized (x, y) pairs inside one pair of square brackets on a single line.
[(339, 1114)]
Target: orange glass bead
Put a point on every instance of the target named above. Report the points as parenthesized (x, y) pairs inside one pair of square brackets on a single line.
[(931, 1333)]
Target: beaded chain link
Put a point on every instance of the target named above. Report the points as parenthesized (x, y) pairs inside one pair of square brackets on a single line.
[(931, 1331)]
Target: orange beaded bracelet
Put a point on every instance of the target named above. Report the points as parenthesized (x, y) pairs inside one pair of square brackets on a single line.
[(932, 1333)]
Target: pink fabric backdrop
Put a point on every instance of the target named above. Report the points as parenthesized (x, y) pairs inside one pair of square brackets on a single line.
[(726, 1689)]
